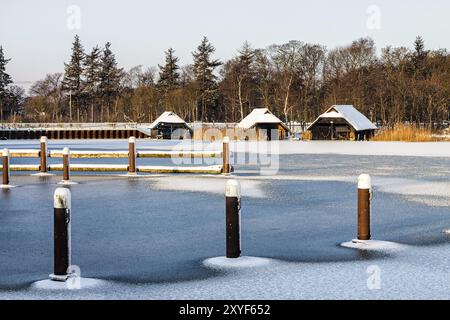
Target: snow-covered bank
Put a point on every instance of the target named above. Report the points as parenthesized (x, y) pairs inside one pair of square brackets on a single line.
[(429, 149), (370, 148), (366, 148)]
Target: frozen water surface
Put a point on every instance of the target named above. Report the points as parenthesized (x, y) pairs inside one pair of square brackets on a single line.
[(152, 237)]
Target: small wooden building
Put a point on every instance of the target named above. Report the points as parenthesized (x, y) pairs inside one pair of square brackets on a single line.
[(170, 126), (267, 125), (342, 122)]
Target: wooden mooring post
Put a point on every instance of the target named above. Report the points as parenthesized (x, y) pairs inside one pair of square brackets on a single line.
[(66, 164), (43, 155), (132, 156), (364, 198), (233, 219), (5, 167), (226, 155), (61, 234)]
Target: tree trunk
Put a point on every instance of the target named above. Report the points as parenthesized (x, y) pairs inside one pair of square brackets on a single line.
[(241, 104), (286, 99)]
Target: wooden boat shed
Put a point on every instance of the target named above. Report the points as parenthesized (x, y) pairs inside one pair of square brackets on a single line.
[(170, 126), (342, 122), (266, 124)]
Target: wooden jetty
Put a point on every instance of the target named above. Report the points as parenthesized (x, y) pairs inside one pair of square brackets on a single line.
[(131, 154)]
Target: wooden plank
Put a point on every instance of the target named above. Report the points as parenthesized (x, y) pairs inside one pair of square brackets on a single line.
[(179, 154), (90, 154), (25, 153), (163, 169), (119, 168), (91, 167), (34, 153), (23, 167)]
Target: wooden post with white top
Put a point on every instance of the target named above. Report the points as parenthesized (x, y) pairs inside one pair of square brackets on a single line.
[(61, 234), (5, 167), (233, 229), (364, 198)]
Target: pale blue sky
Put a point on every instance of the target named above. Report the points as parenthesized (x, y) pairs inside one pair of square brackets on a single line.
[(36, 36)]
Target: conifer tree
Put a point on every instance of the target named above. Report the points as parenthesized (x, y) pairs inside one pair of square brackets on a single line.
[(73, 81), (5, 80), (419, 57), (92, 77), (206, 80), (169, 76), (245, 71), (109, 77)]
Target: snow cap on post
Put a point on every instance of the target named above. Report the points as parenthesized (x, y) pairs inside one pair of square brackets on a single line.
[(5, 152), (43, 139), (66, 151), (364, 182), (132, 140), (62, 199), (233, 189)]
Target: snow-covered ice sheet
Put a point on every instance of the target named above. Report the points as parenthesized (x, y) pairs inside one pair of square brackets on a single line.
[(149, 238)]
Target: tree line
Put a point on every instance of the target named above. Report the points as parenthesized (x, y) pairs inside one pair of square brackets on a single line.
[(297, 81)]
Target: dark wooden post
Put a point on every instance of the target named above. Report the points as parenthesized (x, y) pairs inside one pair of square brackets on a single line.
[(132, 155), (43, 155), (5, 169), (233, 206), (364, 197), (61, 234), (66, 164), (226, 155)]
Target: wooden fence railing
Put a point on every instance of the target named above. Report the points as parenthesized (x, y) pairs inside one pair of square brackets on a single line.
[(66, 167)]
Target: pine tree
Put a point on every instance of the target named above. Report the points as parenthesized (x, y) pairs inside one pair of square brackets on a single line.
[(92, 77), (5, 80), (169, 77), (72, 82), (246, 57), (109, 77), (245, 71), (419, 57), (206, 80)]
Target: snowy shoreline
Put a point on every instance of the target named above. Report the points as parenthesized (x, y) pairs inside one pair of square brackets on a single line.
[(368, 148), (363, 148)]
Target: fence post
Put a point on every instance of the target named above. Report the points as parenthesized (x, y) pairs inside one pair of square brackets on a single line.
[(61, 234), (364, 198), (132, 155), (226, 155), (233, 229), (43, 155), (5, 168), (66, 164)]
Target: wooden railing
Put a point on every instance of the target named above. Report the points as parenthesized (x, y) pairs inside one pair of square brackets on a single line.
[(66, 167)]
